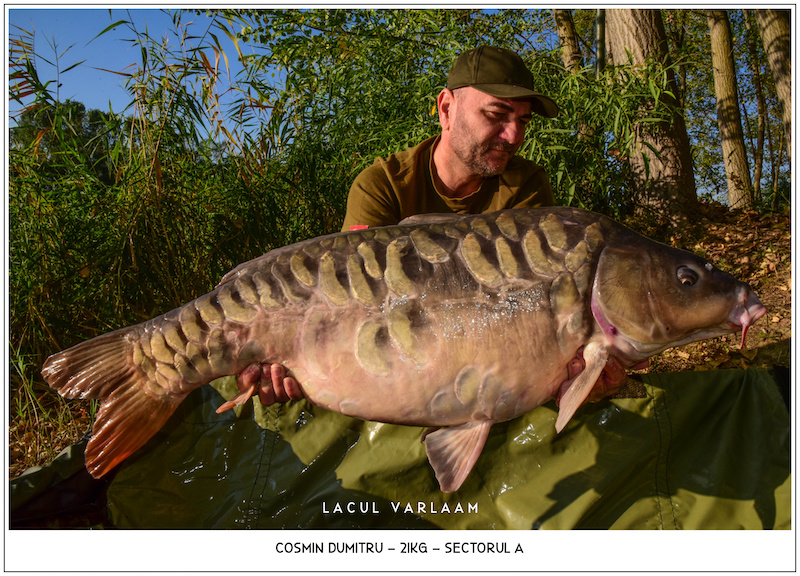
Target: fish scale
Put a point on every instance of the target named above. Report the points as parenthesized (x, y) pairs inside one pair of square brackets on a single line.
[(443, 321)]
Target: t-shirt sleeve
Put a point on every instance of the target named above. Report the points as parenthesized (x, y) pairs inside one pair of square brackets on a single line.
[(371, 200)]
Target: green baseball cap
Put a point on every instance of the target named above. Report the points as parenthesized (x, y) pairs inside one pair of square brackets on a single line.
[(500, 73)]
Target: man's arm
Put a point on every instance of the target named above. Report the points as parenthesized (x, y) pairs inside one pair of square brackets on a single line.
[(370, 201)]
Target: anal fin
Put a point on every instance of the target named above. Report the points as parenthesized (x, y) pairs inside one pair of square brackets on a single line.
[(453, 452), (595, 355)]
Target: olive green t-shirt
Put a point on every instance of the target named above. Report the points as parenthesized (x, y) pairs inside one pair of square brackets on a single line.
[(402, 185)]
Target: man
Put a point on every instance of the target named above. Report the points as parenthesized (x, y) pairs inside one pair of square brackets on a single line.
[(470, 168)]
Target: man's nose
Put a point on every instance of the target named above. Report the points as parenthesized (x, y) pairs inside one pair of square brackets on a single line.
[(513, 132)]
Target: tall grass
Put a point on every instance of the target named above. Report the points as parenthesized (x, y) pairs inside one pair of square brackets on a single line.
[(114, 219), (41, 423)]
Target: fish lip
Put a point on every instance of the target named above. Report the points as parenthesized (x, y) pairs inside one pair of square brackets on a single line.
[(746, 312)]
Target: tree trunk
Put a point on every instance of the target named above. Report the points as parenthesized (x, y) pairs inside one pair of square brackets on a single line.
[(776, 34), (570, 51), (600, 41), (677, 33), (663, 182), (758, 148), (728, 116)]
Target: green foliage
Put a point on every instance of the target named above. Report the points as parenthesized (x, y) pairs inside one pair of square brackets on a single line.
[(67, 137), (361, 84), (114, 220), (41, 422), (584, 149), (356, 85)]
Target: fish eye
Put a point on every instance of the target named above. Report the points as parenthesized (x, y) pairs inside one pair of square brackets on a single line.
[(687, 276)]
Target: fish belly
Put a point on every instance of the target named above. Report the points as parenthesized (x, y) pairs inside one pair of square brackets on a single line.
[(491, 358)]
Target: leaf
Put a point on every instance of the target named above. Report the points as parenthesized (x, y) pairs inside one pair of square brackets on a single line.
[(125, 74), (73, 66), (157, 172), (206, 64), (655, 91), (646, 160), (107, 28), (39, 137)]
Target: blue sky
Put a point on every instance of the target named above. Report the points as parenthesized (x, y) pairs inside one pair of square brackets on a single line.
[(73, 33)]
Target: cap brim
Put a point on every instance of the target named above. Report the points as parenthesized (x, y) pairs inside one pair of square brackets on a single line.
[(542, 105)]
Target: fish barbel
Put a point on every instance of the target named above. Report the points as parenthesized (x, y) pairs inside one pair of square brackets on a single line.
[(444, 321)]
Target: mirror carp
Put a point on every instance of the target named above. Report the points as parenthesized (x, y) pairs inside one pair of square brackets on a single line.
[(443, 321)]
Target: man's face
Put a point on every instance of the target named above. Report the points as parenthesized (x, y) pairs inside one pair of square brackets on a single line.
[(486, 131)]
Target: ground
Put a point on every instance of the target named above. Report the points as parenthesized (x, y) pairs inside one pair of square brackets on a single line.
[(755, 248)]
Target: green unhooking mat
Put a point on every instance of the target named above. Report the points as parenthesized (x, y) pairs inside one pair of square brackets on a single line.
[(700, 450)]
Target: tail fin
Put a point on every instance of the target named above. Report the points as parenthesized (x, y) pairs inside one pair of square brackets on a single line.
[(129, 416)]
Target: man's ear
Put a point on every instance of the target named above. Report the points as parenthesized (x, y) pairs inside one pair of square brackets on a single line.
[(445, 102)]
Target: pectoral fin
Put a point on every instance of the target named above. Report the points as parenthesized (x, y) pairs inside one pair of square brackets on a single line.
[(453, 452), (595, 355)]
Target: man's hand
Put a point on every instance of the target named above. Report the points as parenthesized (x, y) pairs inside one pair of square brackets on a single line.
[(610, 381), (269, 381), (276, 386)]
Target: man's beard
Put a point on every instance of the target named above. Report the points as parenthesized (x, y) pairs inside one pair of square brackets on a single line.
[(474, 154)]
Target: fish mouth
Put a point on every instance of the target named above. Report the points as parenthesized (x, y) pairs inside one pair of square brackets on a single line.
[(746, 313)]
